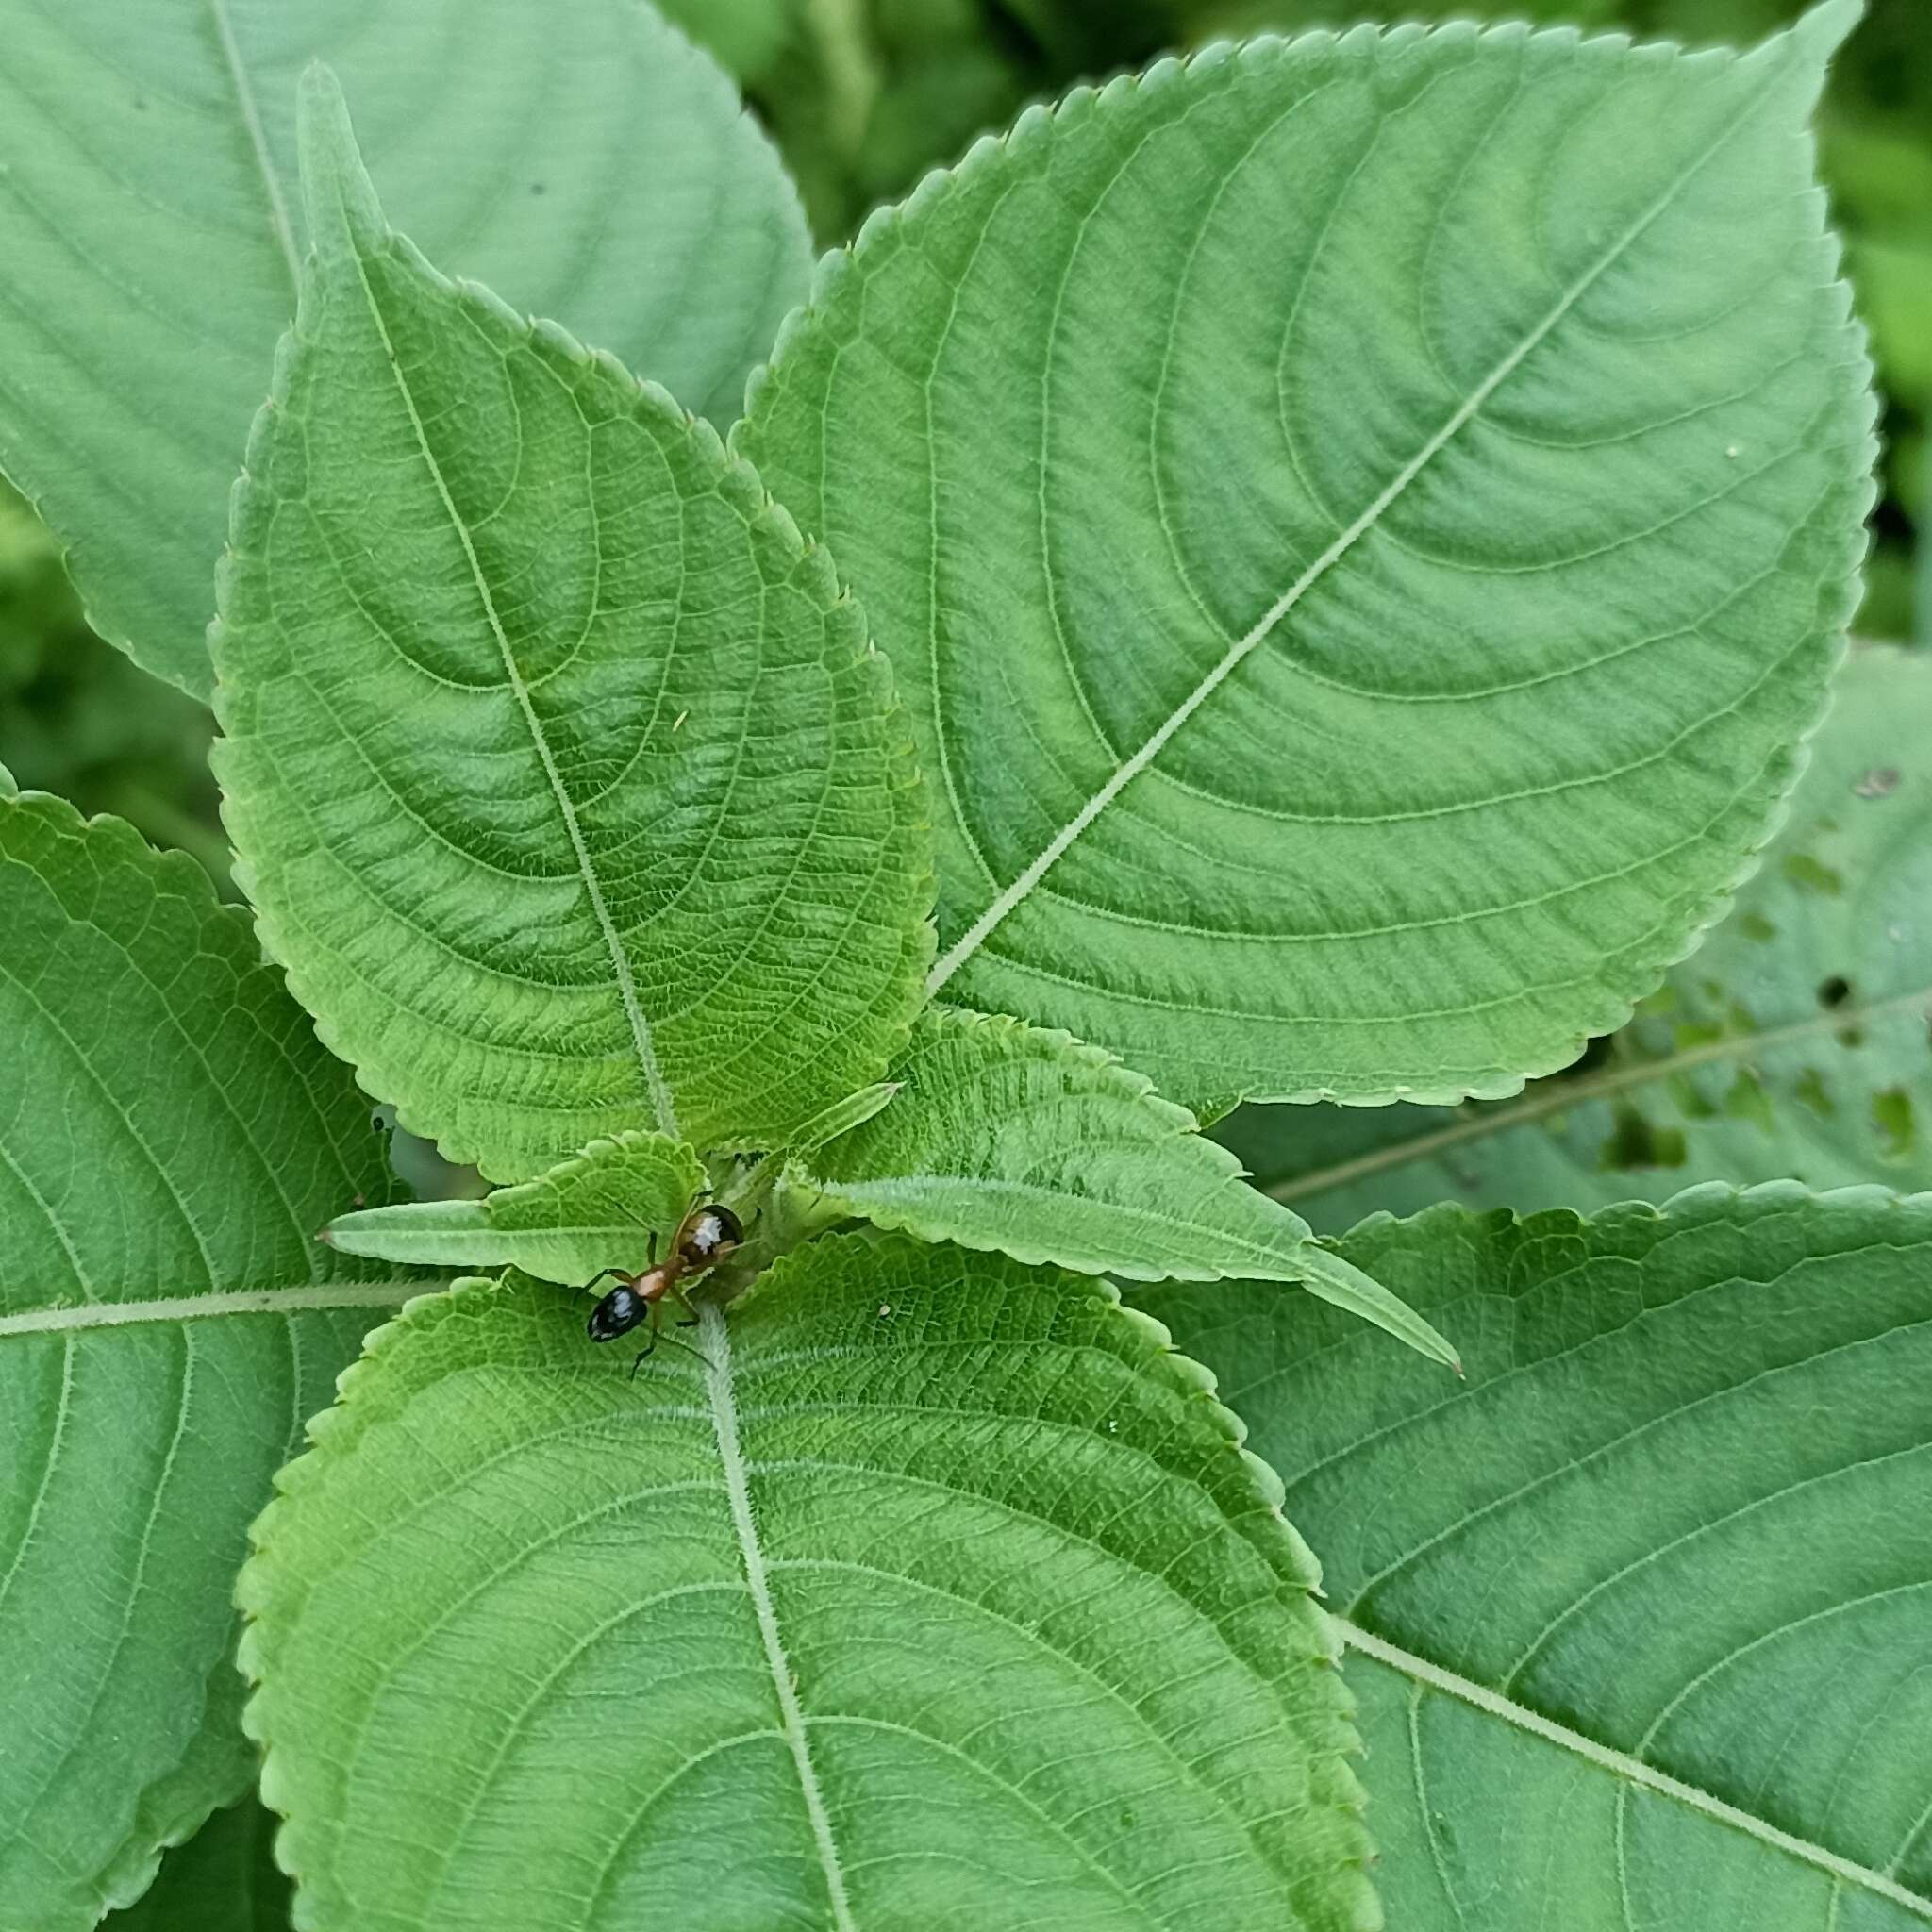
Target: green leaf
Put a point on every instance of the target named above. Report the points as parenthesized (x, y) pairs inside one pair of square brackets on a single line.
[(1796, 1042), (681, 1634), (596, 1211), (1006, 1137), (1361, 525), (585, 160), (171, 1137), (224, 1879), (563, 778), (1640, 1614)]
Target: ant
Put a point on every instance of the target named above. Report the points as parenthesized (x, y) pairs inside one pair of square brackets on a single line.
[(703, 1237)]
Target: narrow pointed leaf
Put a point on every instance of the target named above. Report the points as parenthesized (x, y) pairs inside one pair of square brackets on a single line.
[(1797, 1041), (224, 1879), (1640, 1615), (171, 1135), (586, 160), (1012, 1138), (562, 776), (1413, 483), (685, 1635), (598, 1210)]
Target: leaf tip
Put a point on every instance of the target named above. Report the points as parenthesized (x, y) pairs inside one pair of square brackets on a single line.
[(337, 196)]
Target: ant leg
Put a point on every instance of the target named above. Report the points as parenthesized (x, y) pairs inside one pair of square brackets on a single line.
[(601, 1276), (683, 1301), (645, 1352)]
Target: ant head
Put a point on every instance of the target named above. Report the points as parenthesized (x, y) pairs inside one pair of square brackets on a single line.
[(618, 1313), (710, 1233)]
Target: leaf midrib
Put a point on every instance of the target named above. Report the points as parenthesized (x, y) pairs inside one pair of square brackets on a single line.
[(1013, 895), (1631, 1770), (654, 1083), (258, 141), (1562, 1096), (716, 1341), (188, 1308)]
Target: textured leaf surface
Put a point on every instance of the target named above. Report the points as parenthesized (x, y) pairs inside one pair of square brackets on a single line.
[(1009, 1138), (585, 160), (682, 1633), (595, 1211), (224, 1879), (563, 776), (171, 1135), (1796, 1042), (1641, 1615), (1360, 525)]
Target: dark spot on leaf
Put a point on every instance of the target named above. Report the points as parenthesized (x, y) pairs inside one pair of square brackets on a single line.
[(1753, 926), (539, 188), (1634, 1143), (1812, 875), (141, 104), (1811, 1090), (1851, 1036), (1879, 782), (1898, 1127), (1746, 1100), (1834, 993)]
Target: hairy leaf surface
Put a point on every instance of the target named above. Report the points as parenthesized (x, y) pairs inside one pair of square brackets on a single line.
[(171, 1137), (563, 776), (586, 160), (1797, 1041), (1642, 1617), (224, 1879), (1012, 1138), (594, 1211), (686, 1634), (1361, 525)]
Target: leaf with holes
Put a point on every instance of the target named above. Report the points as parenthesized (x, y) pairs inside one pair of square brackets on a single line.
[(598, 1210), (1359, 523), (683, 1633), (224, 1879), (586, 160), (170, 1138), (547, 739), (1009, 1137), (1639, 1615), (1796, 1042)]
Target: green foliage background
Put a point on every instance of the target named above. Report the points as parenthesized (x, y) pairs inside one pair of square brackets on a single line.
[(865, 95)]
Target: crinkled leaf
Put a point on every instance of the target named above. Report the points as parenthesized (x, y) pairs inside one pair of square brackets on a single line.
[(1013, 1138), (938, 1594), (224, 1879), (595, 1211), (1361, 525), (1640, 1614), (563, 776), (171, 1136), (1797, 1041), (585, 159)]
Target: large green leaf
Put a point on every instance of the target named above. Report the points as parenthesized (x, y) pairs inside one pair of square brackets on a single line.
[(224, 1879), (1796, 1042), (939, 1595), (1009, 1138), (1361, 525), (171, 1137), (583, 160), (561, 771), (595, 1211), (1642, 1615)]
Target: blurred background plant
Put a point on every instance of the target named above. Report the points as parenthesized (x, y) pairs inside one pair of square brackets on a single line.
[(864, 96)]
